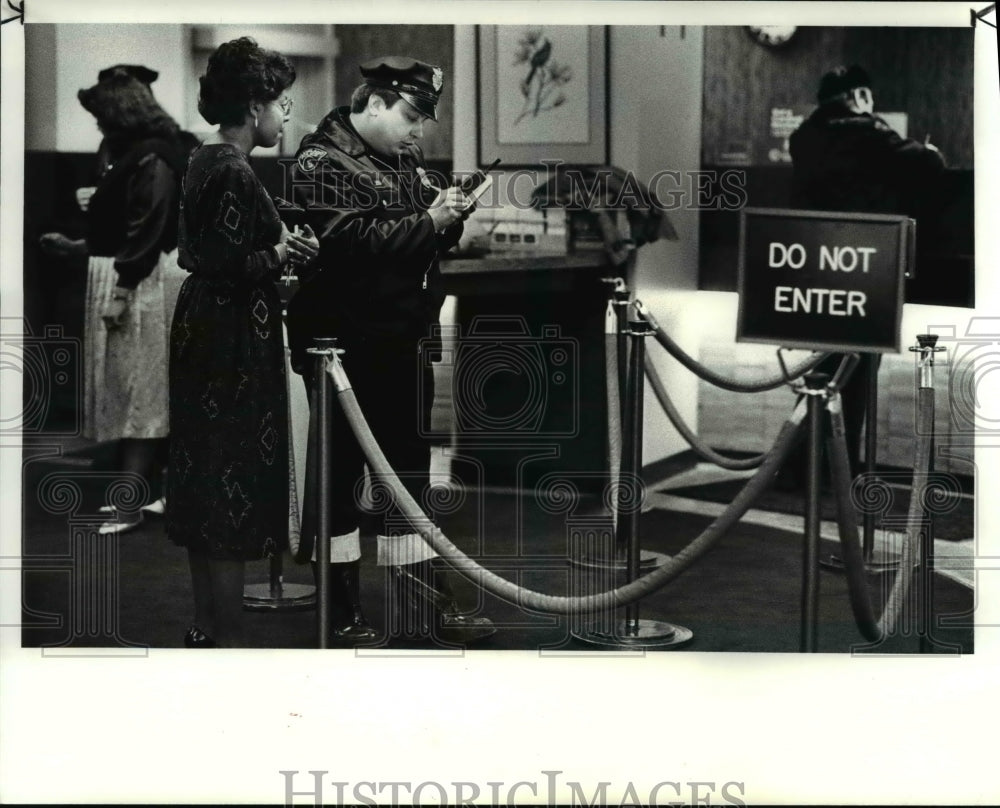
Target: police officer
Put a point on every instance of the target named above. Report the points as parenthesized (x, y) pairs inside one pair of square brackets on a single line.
[(382, 224), (846, 158)]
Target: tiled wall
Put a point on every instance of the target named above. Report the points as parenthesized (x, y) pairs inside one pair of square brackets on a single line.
[(751, 421)]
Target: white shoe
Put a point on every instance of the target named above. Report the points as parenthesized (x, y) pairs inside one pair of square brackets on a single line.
[(119, 527), (158, 507)]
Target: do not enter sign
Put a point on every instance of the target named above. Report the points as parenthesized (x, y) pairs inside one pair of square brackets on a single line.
[(815, 279)]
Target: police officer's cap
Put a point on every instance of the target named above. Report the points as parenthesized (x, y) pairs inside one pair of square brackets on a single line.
[(418, 83), (841, 80)]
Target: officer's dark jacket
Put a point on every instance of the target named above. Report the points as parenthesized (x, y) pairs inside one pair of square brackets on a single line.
[(378, 263), (856, 162)]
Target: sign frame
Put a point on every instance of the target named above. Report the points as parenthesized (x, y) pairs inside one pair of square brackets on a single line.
[(906, 240)]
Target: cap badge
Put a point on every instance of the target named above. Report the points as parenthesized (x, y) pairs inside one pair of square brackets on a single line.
[(437, 79)]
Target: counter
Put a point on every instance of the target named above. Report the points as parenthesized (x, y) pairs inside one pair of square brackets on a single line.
[(522, 376)]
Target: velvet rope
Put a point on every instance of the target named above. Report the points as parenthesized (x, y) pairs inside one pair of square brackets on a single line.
[(554, 604), (714, 378)]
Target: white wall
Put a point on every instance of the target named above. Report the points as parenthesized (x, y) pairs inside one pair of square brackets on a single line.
[(463, 88), (656, 78), (40, 112), (68, 57)]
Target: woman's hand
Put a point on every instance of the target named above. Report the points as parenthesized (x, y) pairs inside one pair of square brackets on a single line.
[(281, 248), (83, 197), (303, 246), (115, 310), (58, 244)]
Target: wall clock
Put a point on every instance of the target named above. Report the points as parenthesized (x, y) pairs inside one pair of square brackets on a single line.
[(771, 36)]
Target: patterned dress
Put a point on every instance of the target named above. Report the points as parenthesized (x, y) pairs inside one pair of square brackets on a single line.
[(228, 483)]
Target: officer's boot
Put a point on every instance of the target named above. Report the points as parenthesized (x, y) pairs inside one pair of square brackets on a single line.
[(424, 607), (348, 625)]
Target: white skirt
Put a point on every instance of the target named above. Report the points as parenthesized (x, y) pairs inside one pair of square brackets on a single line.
[(125, 370)]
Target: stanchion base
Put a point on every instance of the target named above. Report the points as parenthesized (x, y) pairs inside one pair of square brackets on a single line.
[(645, 634), (648, 561), (282, 598), (881, 561)]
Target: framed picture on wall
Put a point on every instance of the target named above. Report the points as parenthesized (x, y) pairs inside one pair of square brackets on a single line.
[(543, 94)]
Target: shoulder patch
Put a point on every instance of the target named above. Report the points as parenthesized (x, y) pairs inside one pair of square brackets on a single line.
[(311, 157)]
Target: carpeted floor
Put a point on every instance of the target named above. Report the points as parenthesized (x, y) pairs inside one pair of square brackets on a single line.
[(744, 595)]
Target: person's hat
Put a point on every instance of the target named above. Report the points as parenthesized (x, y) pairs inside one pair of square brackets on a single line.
[(418, 83), (841, 80), (105, 99), (140, 72)]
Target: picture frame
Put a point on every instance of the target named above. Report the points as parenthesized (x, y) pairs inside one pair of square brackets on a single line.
[(542, 94)]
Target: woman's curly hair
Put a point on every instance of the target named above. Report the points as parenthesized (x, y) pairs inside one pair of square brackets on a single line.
[(124, 105), (240, 72)]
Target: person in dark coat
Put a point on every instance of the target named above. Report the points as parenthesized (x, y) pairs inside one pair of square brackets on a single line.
[(382, 225), (229, 457), (133, 277), (846, 158)]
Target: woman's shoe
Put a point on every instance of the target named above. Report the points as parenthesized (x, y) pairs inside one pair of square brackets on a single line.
[(157, 507), (196, 638), (120, 526)]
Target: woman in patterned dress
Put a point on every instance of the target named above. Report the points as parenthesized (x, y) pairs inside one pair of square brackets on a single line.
[(228, 485)]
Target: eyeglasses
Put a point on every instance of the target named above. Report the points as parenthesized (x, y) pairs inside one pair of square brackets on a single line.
[(286, 105)]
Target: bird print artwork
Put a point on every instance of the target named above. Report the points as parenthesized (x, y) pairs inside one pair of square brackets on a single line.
[(542, 85)]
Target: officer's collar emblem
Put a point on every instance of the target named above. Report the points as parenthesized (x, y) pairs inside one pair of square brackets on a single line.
[(310, 157)]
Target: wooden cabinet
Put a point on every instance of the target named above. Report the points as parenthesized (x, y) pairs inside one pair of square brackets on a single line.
[(522, 377)]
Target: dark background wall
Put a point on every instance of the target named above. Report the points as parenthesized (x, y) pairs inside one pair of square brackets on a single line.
[(924, 72)]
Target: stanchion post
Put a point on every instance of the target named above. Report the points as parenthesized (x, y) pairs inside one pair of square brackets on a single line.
[(926, 347), (324, 351), (816, 390), (276, 595), (871, 451), (621, 311), (886, 560), (628, 517), (648, 560), (613, 327), (275, 576), (631, 632), (627, 464)]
